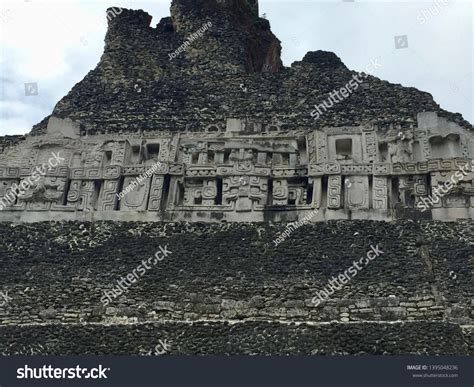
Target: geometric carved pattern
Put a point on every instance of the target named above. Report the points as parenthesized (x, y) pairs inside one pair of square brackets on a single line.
[(156, 192), (200, 192), (357, 168), (112, 172), (334, 191), (322, 147), (9, 172), (231, 172), (380, 193), (370, 145), (258, 192), (316, 170), (381, 169), (245, 193), (86, 196), (332, 168), (74, 193), (109, 197), (118, 154), (420, 186), (311, 148)]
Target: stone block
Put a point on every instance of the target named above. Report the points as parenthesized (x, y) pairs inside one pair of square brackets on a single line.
[(425, 304), (362, 304), (257, 302), (228, 304), (164, 306), (296, 312)]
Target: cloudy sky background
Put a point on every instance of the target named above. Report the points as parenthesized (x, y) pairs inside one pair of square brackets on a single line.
[(55, 44)]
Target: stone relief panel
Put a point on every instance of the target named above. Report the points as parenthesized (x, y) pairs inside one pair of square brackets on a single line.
[(258, 192), (136, 199), (311, 148), (47, 190), (108, 199), (419, 187), (117, 152), (290, 192), (370, 146), (334, 192), (74, 193), (406, 191), (244, 193), (87, 196), (400, 151), (356, 192), (200, 192), (380, 193), (6, 193), (322, 155), (239, 172), (280, 192), (459, 195), (156, 193), (421, 136), (94, 158), (19, 157), (235, 193), (317, 192)]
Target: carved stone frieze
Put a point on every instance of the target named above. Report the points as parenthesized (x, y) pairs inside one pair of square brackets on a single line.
[(346, 168)]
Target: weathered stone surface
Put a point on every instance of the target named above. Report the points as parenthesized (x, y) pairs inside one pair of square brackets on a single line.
[(234, 142), (252, 337), (242, 175), (231, 273), (206, 82)]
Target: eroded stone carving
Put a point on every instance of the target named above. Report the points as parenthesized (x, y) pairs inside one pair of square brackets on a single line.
[(243, 172)]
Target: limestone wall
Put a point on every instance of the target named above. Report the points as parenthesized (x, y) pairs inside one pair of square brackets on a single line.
[(249, 338), (57, 273)]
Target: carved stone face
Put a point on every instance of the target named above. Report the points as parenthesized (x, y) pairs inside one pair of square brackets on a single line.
[(48, 189), (93, 159)]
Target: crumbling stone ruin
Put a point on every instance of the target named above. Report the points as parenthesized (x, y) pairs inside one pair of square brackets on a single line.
[(223, 133), (233, 132)]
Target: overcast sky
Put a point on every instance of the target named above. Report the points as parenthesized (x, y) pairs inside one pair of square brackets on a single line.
[(53, 44)]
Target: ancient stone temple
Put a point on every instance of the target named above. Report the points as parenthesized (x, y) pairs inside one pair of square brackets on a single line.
[(235, 140), (193, 134)]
